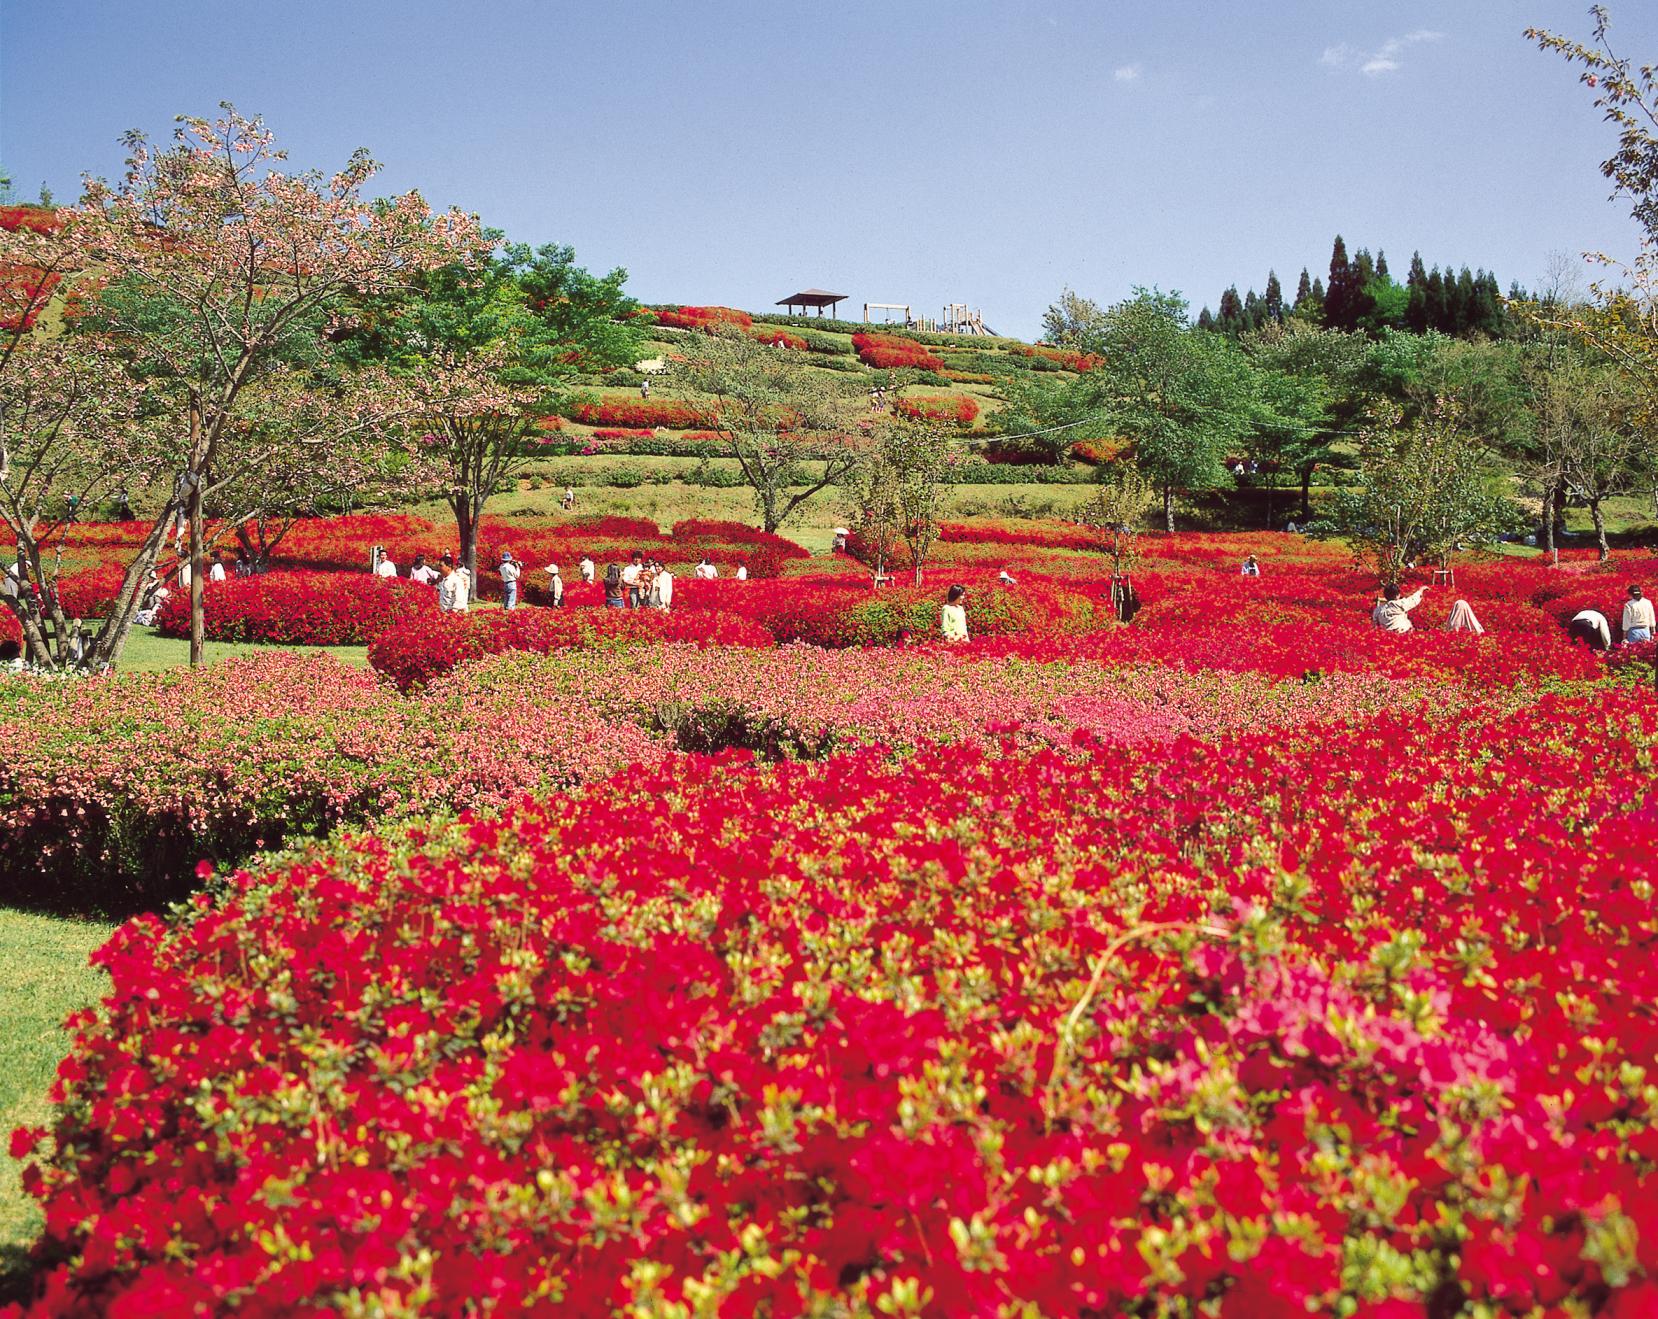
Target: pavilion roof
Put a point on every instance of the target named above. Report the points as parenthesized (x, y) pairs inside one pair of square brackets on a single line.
[(811, 298)]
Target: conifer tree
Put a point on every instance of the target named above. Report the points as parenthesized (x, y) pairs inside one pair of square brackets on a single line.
[(1416, 296), (1231, 317), (1338, 293), (1273, 301), (1205, 320), (1303, 290), (1381, 264)]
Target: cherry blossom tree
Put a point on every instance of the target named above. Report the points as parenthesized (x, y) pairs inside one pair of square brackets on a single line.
[(226, 279)]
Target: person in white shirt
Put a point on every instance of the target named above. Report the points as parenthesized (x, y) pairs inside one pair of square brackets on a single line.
[(630, 579), (217, 572), (1591, 628), (1005, 578), (510, 573), (422, 571), (555, 585), (465, 574), (1637, 617), (1251, 567), (707, 571), (742, 572), (452, 594), (952, 618), (585, 567), (184, 574), (1392, 611), (663, 589), (385, 568)]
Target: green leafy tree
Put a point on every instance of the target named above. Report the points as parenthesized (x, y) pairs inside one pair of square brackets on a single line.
[(788, 425), (485, 351), (1182, 398), (1070, 321), (1425, 489)]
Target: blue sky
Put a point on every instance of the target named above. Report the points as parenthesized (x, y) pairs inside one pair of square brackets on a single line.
[(899, 151)]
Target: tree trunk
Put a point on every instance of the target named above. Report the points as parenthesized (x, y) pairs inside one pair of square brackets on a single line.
[(112, 637), (1307, 491), (466, 524), (1546, 525), (1600, 529), (198, 582), (1168, 509)]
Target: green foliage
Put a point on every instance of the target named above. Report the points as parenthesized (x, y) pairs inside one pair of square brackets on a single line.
[(1425, 487)]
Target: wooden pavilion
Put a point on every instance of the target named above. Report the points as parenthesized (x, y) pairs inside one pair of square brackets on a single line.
[(812, 298)]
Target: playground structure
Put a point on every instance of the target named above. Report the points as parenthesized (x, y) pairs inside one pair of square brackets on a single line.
[(956, 318)]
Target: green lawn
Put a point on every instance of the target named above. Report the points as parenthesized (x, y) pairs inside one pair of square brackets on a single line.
[(44, 976), (147, 651)]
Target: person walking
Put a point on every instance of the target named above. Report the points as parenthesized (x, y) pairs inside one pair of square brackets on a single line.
[(644, 389), (1590, 626), (555, 585), (1392, 611), (952, 618), (510, 573), (586, 569), (452, 593), (422, 571), (1638, 620), (664, 588), (615, 594)]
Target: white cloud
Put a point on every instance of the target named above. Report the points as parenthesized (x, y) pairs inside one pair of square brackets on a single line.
[(1384, 59), (1126, 73)]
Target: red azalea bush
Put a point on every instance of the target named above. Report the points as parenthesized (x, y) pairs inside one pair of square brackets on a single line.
[(91, 592), (780, 338), (843, 611), (674, 414), (617, 433), (301, 608), (415, 652), (1069, 358), (705, 318), (1349, 1022), (889, 352), (953, 407)]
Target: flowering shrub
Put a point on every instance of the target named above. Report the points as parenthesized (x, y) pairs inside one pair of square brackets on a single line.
[(111, 789), (1351, 1021), (1069, 358), (887, 352), (704, 318), (954, 407), (615, 433), (300, 608), (91, 592), (780, 338), (644, 413), (419, 650)]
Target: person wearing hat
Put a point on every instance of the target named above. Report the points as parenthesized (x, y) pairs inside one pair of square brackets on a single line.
[(555, 585), (510, 573)]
